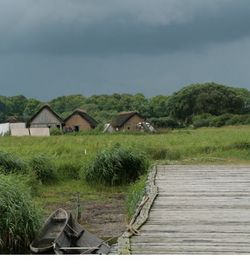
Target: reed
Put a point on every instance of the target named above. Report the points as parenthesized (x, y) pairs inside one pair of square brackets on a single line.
[(115, 166), (19, 219), (11, 163), (43, 168)]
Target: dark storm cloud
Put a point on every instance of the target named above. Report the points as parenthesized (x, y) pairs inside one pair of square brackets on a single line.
[(112, 26), (50, 48)]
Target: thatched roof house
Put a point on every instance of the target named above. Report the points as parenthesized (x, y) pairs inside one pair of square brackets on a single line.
[(45, 117), (79, 120), (127, 121)]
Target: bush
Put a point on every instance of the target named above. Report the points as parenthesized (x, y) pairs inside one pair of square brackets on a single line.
[(55, 131), (19, 219), (115, 166), (43, 168), (165, 122), (11, 163), (221, 120)]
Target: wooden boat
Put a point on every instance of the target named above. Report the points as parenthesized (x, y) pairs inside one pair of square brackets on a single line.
[(52, 229), (76, 240)]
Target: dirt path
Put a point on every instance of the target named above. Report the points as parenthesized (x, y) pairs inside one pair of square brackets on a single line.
[(105, 219)]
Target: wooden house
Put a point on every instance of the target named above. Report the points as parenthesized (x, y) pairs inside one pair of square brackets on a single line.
[(79, 120), (127, 121), (45, 117)]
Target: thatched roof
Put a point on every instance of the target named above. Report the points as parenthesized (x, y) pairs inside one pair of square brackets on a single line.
[(84, 115), (46, 106), (123, 117)]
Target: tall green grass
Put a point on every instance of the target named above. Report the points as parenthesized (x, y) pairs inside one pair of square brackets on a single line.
[(11, 163), (43, 168), (19, 219), (115, 166), (135, 194)]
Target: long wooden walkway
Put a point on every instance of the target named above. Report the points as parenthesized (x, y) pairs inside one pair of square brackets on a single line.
[(199, 210)]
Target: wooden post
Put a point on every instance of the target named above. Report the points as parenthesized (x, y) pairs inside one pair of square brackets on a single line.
[(78, 210)]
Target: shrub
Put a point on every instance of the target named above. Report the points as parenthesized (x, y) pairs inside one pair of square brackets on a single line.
[(55, 131), (165, 122), (43, 168), (19, 219), (115, 166), (218, 121), (11, 163)]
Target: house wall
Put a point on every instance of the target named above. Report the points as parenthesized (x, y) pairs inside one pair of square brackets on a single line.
[(77, 120), (130, 125), (45, 119)]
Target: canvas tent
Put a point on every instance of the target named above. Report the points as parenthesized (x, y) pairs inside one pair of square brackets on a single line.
[(108, 128), (11, 128), (39, 132), (19, 132), (4, 129)]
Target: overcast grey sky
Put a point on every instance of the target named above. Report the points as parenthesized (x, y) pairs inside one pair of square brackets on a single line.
[(51, 48)]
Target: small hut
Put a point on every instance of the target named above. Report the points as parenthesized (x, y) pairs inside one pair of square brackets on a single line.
[(45, 117), (127, 121), (79, 120)]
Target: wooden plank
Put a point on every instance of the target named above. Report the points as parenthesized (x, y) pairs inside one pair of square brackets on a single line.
[(199, 210)]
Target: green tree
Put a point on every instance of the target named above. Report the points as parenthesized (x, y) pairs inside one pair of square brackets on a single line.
[(209, 98), (31, 108)]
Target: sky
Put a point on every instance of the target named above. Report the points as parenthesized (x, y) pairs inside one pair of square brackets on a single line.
[(51, 48)]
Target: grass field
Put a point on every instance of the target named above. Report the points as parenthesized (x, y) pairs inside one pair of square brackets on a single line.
[(71, 153)]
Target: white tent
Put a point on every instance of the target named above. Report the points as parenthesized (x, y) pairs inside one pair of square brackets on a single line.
[(17, 125), (20, 132), (39, 132), (4, 129), (108, 128)]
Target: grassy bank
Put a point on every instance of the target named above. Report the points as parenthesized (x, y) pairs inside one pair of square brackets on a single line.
[(226, 143), (70, 153)]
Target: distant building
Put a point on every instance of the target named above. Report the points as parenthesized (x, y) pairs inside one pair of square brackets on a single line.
[(45, 117), (79, 120), (127, 121)]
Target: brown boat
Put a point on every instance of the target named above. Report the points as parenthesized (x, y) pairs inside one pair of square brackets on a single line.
[(76, 240), (52, 229)]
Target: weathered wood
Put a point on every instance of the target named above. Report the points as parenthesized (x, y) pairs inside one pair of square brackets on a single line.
[(200, 209), (141, 214)]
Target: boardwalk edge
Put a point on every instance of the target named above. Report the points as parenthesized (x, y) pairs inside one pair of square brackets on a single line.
[(141, 214)]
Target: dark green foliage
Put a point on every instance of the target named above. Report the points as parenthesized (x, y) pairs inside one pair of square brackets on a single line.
[(31, 107), (43, 168), (55, 131), (11, 163), (19, 219), (164, 111), (208, 120), (165, 122), (209, 98), (115, 166)]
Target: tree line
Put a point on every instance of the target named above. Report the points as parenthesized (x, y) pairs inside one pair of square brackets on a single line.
[(207, 104)]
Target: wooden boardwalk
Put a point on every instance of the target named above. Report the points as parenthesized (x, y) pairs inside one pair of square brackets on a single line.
[(199, 210)]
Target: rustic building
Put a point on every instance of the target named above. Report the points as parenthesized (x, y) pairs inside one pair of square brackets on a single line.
[(127, 121), (45, 118), (79, 120)]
